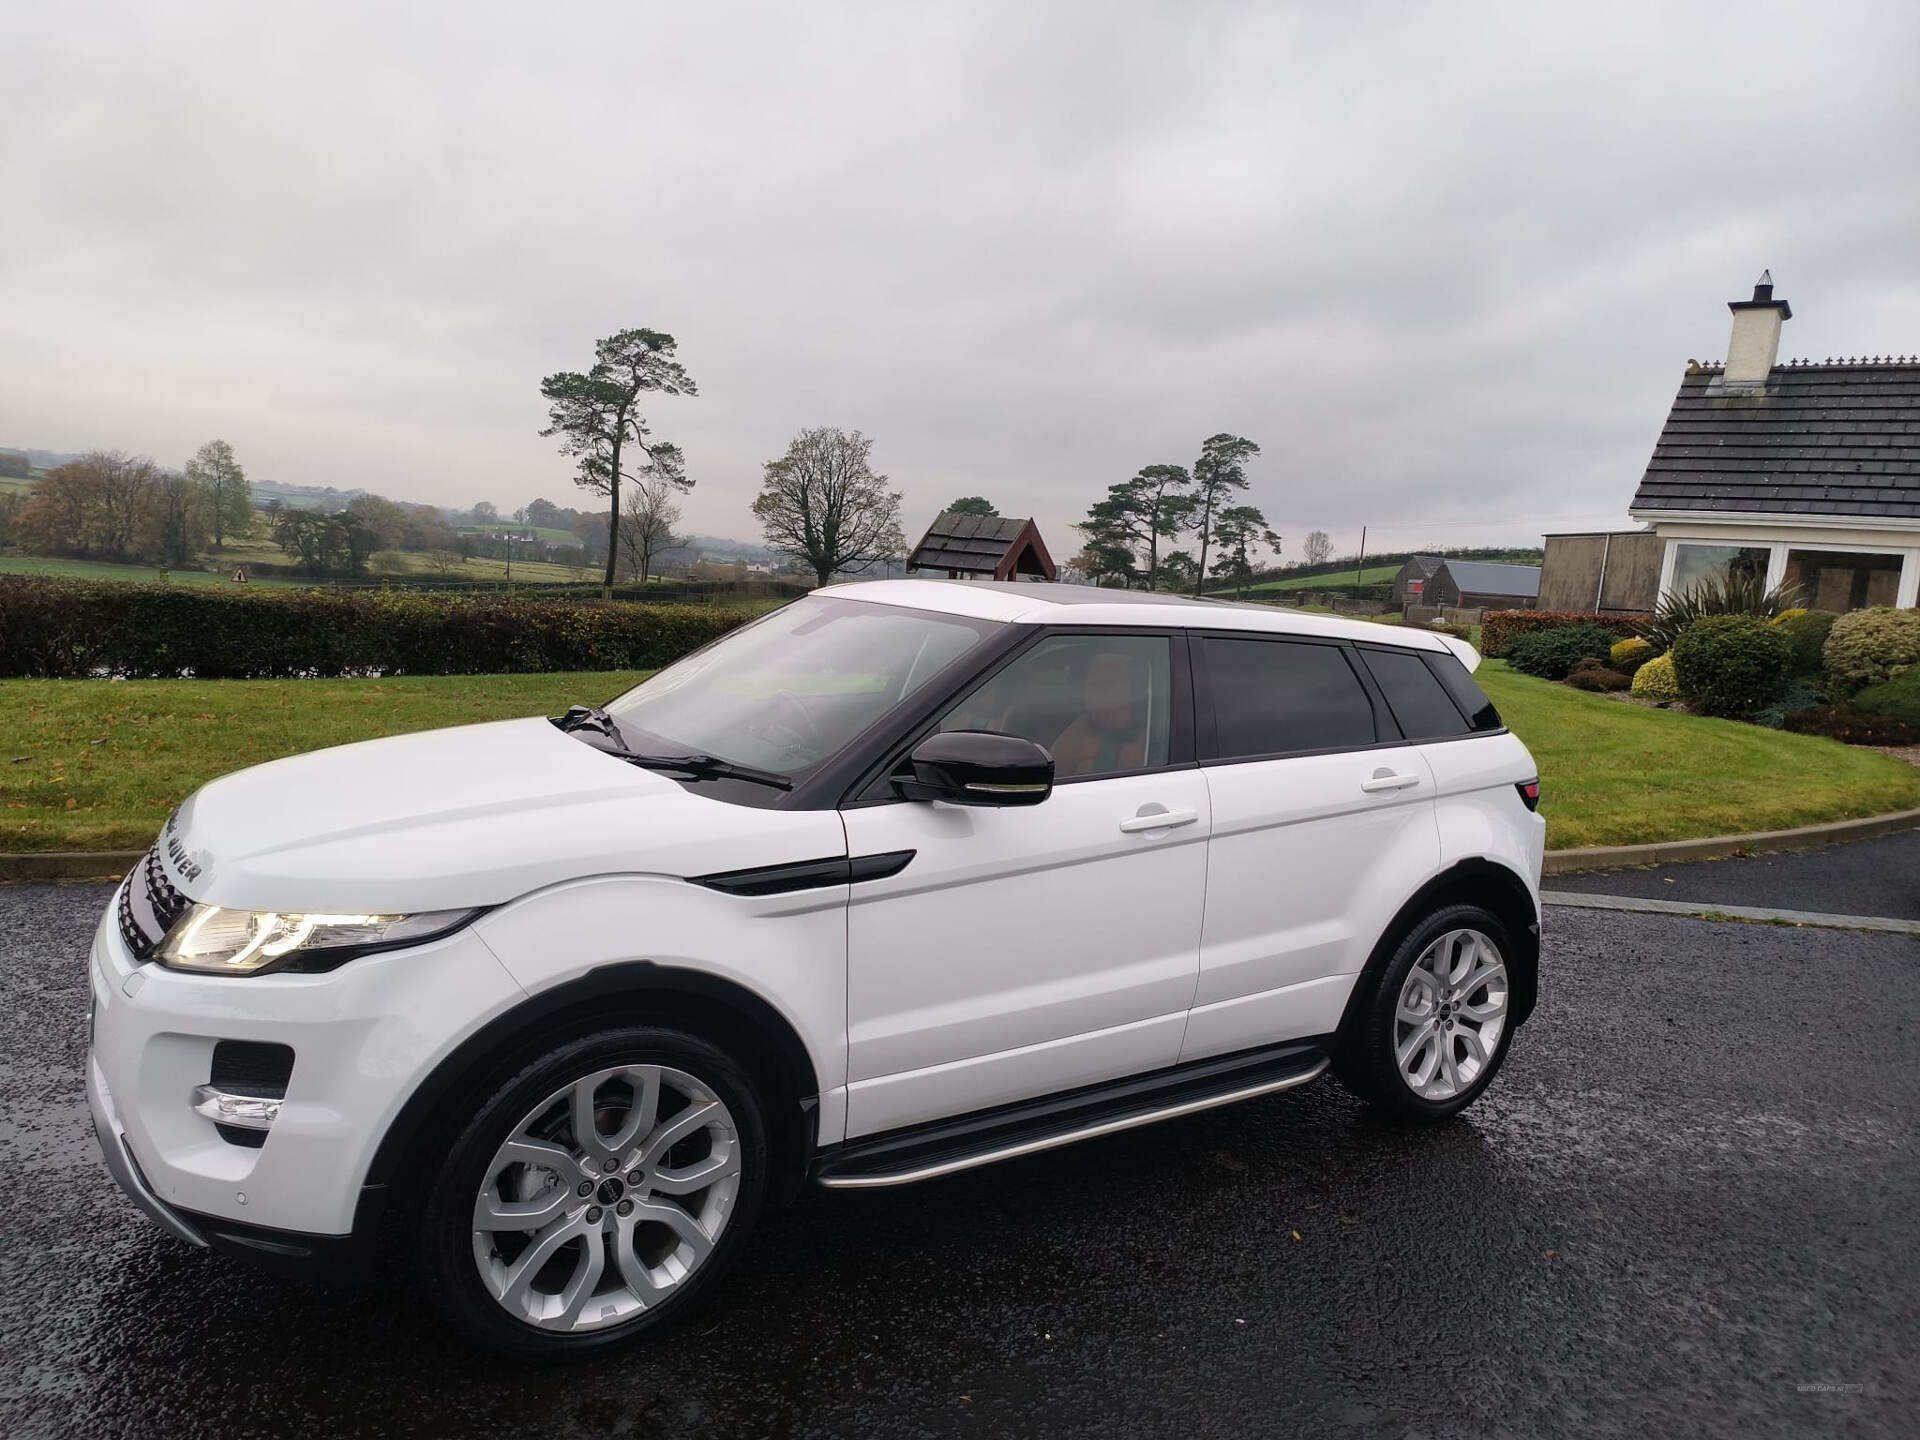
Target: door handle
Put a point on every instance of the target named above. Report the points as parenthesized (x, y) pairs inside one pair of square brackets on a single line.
[(1387, 780), (1158, 820)]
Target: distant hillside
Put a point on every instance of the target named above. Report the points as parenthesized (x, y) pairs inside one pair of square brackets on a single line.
[(41, 459)]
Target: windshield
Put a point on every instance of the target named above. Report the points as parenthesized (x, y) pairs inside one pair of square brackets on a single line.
[(791, 689)]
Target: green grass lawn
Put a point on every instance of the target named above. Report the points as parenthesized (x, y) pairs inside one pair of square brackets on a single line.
[(1372, 575), (106, 570), (1613, 773), (96, 765)]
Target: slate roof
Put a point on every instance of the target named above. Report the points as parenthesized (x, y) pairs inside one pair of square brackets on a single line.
[(1423, 566), (1480, 577), (1817, 439), (972, 543)]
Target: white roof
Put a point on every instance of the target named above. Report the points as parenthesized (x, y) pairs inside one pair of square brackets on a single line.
[(1039, 603)]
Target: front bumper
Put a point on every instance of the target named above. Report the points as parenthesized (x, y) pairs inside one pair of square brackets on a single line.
[(363, 1036)]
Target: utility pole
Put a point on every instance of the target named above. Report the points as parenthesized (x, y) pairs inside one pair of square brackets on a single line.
[(1363, 557)]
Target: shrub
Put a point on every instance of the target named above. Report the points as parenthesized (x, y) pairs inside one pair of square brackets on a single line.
[(1500, 628), (1797, 696), (1897, 699), (1551, 654), (1852, 727), (1869, 646), (1654, 680), (1630, 654), (1730, 665), (1596, 676), (1792, 613), (1458, 632), (1806, 632), (1734, 595), (62, 628)]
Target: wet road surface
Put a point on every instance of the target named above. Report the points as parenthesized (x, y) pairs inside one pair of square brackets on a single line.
[(1689, 1205), (1867, 877)]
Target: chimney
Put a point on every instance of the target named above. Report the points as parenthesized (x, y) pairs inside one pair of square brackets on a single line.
[(1756, 335)]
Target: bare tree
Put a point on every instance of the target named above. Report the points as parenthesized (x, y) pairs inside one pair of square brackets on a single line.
[(1317, 548), (647, 520), (822, 504)]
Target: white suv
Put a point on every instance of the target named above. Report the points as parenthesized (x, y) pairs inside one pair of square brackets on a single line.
[(904, 878)]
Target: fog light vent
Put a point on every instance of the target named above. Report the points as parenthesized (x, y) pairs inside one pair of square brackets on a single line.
[(243, 1093)]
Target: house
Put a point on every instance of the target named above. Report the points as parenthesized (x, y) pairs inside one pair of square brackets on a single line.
[(1476, 584), (1616, 571), (982, 547), (1409, 585), (1803, 472)]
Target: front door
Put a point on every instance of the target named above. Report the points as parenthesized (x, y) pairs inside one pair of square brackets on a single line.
[(1030, 950)]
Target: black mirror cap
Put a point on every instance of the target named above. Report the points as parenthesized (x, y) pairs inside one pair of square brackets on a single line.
[(977, 767)]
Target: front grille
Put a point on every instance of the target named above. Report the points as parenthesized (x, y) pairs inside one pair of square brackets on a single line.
[(148, 906)]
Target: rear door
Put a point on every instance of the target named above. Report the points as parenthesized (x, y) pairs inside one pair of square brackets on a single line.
[(1323, 824)]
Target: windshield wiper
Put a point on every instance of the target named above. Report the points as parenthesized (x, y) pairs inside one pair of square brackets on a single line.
[(592, 719), (706, 767)]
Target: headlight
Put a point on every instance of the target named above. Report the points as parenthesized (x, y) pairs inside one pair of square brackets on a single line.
[(245, 942)]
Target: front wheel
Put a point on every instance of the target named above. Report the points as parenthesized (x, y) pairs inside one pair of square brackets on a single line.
[(596, 1193), (1439, 1020)]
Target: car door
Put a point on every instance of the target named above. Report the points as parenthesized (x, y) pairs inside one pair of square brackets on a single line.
[(1323, 824), (1028, 950)]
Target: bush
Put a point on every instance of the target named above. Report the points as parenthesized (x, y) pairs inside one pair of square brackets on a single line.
[(1806, 632), (1592, 675), (63, 628), (1793, 613), (1897, 699), (1852, 727), (1870, 646), (1730, 665), (1733, 595), (1458, 632), (1654, 680), (1552, 654), (1500, 628), (1630, 654), (1797, 696)]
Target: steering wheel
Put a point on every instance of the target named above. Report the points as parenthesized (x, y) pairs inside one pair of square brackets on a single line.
[(788, 714)]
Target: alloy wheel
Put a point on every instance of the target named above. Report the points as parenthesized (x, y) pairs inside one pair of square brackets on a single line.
[(606, 1198), (1451, 1012)]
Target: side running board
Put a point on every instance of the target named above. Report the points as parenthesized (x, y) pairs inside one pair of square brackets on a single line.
[(925, 1152)]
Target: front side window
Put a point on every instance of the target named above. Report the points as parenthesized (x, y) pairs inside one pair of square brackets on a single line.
[(1099, 704), (793, 688), (1274, 697)]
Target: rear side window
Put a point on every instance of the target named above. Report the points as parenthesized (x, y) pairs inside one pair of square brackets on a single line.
[(1466, 692), (1272, 697), (1415, 695)]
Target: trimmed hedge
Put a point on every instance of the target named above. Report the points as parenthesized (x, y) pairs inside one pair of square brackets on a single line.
[(1806, 632), (1552, 654), (1897, 699), (68, 629), (1500, 628), (1655, 680), (1730, 665), (1630, 654), (1869, 646)]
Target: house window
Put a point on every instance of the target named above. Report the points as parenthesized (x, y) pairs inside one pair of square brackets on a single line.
[(1842, 580), (1696, 564)]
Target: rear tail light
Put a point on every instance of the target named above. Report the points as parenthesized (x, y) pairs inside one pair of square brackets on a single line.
[(1529, 793)]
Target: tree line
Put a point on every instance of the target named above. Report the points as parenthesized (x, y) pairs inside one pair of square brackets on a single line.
[(1130, 533), (109, 505)]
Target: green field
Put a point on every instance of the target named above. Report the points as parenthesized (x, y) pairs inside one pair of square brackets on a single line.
[(1372, 575), (104, 570), (96, 764), (546, 532), (15, 485), (1613, 773)]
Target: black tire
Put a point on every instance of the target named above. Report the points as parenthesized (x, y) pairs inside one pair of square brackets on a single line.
[(1365, 1061), (446, 1238)]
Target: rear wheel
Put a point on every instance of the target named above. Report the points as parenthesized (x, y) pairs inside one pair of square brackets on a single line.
[(1439, 1020), (597, 1193)]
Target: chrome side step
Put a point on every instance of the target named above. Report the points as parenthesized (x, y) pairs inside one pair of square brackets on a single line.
[(864, 1165)]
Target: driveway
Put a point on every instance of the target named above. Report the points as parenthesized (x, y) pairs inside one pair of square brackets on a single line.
[(1690, 1205), (1880, 877)]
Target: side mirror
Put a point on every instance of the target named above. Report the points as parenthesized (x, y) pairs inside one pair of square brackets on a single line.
[(976, 767)]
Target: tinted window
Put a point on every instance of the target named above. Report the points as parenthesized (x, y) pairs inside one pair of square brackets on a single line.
[(1275, 696), (1415, 695), (1100, 704), (1466, 692)]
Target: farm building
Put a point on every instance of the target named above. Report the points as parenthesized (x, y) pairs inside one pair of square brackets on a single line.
[(1476, 584), (1409, 585)]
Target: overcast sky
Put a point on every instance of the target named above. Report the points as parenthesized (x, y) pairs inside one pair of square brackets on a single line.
[(1444, 263)]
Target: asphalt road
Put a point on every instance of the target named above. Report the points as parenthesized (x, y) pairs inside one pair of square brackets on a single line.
[(1868, 877), (1690, 1205)]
